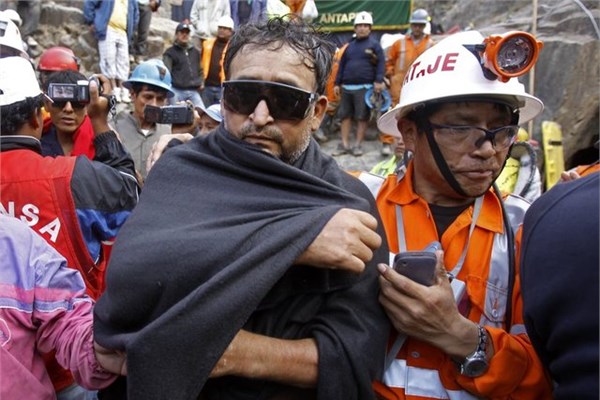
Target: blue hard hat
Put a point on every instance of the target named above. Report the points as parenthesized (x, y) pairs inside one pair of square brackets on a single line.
[(152, 72), (371, 99)]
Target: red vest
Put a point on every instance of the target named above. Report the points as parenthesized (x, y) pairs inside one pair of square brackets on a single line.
[(37, 190)]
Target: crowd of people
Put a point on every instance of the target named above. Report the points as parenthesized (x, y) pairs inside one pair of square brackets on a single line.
[(199, 244)]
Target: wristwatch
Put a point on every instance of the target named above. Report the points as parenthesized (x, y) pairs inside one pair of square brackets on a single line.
[(476, 363)]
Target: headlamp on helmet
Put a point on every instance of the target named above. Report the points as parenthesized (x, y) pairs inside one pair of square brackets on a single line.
[(508, 56)]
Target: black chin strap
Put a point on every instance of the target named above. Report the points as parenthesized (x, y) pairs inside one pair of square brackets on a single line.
[(441, 163)]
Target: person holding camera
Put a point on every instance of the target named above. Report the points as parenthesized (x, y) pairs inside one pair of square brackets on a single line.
[(74, 203), (68, 130), (149, 85), (253, 254), (463, 336)]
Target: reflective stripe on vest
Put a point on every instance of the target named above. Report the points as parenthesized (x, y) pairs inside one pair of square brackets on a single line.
[(426, 382), (402, 57), (421, 382)]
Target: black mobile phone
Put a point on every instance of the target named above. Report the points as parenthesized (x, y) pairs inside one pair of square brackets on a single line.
[(416, 265)]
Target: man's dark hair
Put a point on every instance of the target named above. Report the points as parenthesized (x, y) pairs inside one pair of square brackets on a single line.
[(14, 116), (67, 76), (312, 44)]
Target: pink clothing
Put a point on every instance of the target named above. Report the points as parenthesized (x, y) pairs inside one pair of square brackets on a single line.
[(43, 307)]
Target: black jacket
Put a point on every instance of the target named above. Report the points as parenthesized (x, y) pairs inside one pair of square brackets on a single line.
[(183, 281), (184, 65)]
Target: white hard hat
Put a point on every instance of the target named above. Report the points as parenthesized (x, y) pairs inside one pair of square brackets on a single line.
[(225, 22), (17, 80), (363, 17), (449, 70), (419, 16), (10, 38), (13, 16)]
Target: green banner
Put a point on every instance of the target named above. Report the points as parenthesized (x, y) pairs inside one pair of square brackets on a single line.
[(338, 15)]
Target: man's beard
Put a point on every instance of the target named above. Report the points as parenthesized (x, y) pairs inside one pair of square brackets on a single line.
[(288, 156)]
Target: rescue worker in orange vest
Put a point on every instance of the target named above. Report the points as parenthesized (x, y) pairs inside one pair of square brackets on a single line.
[(74, 203), (328, 124), (399, 57), (462, 337), (213, 53)]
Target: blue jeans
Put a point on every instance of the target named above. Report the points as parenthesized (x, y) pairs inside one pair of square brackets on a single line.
[(186, 94), (179, 13), (211, 95)]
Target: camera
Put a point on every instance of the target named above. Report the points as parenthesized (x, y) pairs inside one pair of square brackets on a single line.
[(73, 92), (176, 114)]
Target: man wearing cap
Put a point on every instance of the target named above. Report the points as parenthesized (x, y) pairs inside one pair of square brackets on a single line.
[(361, 68), (213, 53), (463, 336), (400, 56), (149, 84), (74, 203), (183, 61), (210, 118)]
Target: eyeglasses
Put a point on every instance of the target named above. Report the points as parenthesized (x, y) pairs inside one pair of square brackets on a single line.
[(473, 137), (284, 101), (61, 104)]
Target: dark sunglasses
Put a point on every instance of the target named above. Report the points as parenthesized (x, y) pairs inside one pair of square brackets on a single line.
[(284, 101), (61, 104)]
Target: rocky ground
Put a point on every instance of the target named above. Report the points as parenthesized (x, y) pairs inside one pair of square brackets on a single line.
[(371, 147)]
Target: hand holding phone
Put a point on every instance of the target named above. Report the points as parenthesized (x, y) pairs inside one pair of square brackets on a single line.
[(417, 265)]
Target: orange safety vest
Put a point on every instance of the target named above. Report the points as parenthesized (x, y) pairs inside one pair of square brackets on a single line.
[(421, 371), (207, 47), (400, 56), (296, 6), (333, 100)]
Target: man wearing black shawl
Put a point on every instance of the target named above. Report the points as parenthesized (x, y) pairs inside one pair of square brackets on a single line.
[(248, 269)]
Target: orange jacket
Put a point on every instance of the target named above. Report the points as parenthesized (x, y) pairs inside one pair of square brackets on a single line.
[(207, 46), (333, 100), (400, 56), (296, 6), (515, 371)]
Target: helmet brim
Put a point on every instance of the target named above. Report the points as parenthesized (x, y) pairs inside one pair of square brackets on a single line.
[(529, 108), (127, 84)]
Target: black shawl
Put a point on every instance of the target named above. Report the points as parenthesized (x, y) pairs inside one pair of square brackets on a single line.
[(208, 251)]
